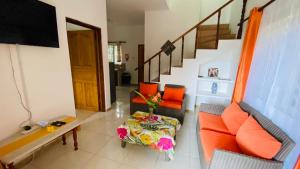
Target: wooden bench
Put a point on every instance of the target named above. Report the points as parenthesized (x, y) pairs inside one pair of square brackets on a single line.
[(9, 159)]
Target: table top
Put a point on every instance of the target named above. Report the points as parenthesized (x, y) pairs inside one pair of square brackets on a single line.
[(140, 121), (28, 147), (157, 131)]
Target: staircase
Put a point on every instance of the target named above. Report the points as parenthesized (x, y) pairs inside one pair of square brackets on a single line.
[(207, 35), (206, 39), (213, 43)]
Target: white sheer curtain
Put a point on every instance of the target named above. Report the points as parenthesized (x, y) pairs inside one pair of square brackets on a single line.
[(274, 82)]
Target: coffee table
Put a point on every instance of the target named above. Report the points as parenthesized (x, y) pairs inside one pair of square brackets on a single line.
[(157, 132)]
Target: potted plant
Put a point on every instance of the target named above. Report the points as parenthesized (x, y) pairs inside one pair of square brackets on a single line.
[(152, 102)]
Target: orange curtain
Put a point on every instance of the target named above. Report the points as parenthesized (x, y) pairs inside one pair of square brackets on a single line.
[(247, 55), (298, 164)]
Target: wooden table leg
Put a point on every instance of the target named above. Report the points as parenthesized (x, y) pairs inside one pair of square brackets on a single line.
[(64, 139), (75, 139), (167, 157), (11, 166), (123, 144), (2, 165)]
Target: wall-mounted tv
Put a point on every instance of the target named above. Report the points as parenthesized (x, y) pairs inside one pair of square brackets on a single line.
[(28, 22)]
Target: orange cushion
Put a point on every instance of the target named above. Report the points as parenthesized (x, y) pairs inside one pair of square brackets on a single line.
[(138, 100), (212, 122), (175, 94), (256, 141), (212, 140), (147, 89), (233, 117), (171, 104)]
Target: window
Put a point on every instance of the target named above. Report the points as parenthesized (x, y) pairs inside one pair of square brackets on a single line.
[(115, 53)]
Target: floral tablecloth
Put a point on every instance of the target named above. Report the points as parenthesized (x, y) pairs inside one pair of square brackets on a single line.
[(156, 132)]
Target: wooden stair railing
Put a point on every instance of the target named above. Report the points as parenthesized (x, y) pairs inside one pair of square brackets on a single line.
[(182, 38), (246, 19), (240, 31)]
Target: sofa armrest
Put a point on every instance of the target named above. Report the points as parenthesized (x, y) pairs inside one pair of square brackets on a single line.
[(212, 108), (229, 160), (184, 103)]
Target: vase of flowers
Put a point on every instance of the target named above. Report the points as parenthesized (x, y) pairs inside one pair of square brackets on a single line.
[(152, 102), (151, 111)]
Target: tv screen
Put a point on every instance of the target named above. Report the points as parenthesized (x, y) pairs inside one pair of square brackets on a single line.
[(28, 22)]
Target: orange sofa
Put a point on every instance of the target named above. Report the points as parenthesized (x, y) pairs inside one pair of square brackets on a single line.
[(173, 102), (239, 137)]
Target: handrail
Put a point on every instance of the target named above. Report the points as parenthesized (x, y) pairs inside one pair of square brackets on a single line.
[(259, 9), (191, 29)]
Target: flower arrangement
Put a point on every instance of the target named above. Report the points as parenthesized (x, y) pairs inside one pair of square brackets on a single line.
[(153, 101)]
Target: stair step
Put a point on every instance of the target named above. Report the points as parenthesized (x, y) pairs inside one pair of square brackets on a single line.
[(165, 73), (207, 45), (214, 27), (213, 38), (156, 79), (207, 35), (191, 57), (213, 33), (177, 66)]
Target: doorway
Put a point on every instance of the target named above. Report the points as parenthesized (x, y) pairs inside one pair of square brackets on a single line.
[(86, 60), (141, 59)]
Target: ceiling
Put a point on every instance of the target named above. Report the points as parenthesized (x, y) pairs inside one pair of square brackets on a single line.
[(132, 11)]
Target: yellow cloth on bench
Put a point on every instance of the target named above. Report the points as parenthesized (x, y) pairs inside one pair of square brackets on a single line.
[(13, 146)]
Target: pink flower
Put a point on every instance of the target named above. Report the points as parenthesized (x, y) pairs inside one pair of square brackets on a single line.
[(155, 99), (154, 118), (122, 132), (165, 143)]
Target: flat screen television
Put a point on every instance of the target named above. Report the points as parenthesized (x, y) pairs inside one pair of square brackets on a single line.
[(28, 22)]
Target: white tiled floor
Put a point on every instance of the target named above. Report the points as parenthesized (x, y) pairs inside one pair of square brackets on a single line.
[(99, 146)]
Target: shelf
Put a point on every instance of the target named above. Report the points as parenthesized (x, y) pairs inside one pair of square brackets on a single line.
[(210, 79), (209, 94)]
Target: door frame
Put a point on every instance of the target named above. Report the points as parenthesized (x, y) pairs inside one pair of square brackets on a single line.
[(99, 61)]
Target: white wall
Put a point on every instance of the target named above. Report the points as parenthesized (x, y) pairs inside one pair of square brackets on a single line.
[(273, 85), (44, 74), (209, 6), (133, 35), (236, 11), (161, 26)]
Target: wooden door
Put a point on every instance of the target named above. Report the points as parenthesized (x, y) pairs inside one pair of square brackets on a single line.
[(84, 71), (141, 59)]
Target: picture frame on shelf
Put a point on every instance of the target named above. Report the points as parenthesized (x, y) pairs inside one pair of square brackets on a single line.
[(213, 72)]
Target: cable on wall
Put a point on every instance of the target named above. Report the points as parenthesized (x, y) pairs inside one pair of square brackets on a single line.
[(29, 119)]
